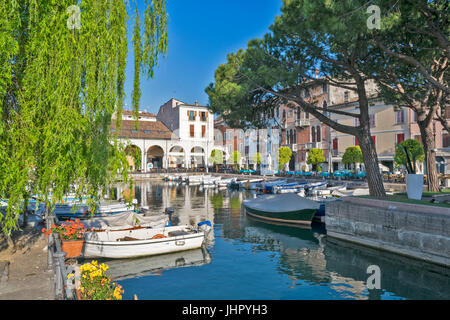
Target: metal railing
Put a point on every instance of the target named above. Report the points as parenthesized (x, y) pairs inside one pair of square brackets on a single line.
[(64, 290)]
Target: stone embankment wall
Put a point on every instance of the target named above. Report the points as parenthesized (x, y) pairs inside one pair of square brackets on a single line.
[(418, 231)]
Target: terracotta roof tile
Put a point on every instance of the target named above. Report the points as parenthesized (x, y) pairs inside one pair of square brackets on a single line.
[(146, 130)]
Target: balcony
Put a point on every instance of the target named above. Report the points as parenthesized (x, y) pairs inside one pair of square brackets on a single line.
[(292, 146), (302, 123), (314, 145)]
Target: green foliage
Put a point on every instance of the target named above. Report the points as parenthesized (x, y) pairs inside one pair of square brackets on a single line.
[(236, 157), (284, 156), (408, 153), (135, 153), (257, 158), (59, 88), (315, 157), (352, 155), (216, 157)]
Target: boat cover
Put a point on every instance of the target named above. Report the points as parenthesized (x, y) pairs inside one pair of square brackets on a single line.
[(127, 220), (280, 203)]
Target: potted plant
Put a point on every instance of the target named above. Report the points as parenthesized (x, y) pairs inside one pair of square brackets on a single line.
[(71, 234), (408, 153), (95, 285)]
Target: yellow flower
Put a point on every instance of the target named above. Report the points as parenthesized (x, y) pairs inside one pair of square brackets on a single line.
[(70, 275)]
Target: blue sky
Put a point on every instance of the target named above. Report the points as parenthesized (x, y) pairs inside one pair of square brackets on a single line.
[(201, 34)]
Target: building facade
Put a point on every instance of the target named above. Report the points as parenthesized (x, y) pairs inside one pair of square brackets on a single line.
[(193, 125), (181, 135)]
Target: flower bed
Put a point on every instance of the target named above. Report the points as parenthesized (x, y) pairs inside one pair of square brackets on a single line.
[(96, 285)]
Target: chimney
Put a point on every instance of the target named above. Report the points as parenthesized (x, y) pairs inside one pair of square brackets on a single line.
[(196, 102), (317, 73)]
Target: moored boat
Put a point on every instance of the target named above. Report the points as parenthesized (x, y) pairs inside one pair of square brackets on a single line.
[(127, 220), (142, 242), (287, 208), (81, 211)]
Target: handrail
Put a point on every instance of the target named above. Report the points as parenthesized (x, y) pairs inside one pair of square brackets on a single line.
[(56, 262)]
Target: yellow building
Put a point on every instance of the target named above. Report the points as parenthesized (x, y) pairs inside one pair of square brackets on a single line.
[(389, 126)]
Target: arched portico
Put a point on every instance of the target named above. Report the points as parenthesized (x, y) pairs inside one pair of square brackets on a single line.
[(198, 157), (134, 157), (155, 157), (176, 157)]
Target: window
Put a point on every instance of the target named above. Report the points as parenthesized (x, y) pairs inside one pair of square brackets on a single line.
[(278, 112), (192, 130), (446, 140), (335, 143), (191, 115), (346, 96), (203, 116), (324, 88), (313, 134), (399, 117), (134, 131), (318, 133), (298, 113), (203, 131), (372, 120), (290, 113), (307, 94), (400, 137), (284, 114)]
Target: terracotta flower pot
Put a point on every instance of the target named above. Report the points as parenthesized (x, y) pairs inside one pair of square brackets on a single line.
[(72, 248)]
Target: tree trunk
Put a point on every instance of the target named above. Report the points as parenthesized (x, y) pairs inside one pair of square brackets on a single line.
[(374, 178), (428, 141)]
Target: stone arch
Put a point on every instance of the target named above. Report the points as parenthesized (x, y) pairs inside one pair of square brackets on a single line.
[(176, 157), (198, 157), (155, 156)]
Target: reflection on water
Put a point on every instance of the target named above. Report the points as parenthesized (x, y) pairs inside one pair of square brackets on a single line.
[(249, 259)]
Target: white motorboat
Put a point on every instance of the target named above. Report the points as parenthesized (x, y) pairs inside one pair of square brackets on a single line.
[(347, 193), (224, 182), (82, 210), (210, 180), (142, 242)]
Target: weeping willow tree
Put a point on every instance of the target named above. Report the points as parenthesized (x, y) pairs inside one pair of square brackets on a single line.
[(62, 74)]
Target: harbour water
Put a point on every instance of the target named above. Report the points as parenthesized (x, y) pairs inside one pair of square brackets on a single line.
[(249, 259)]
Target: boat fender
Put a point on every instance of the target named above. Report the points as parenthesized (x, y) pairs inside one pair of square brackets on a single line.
[(204, 225), (158, 236)]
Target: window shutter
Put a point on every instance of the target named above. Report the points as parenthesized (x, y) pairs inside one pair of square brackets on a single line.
[(203, 131), (188, 113)]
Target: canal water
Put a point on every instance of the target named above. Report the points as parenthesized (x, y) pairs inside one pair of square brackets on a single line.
[(248, 259)]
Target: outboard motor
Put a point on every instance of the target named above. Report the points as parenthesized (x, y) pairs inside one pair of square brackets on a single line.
[(169, 211)]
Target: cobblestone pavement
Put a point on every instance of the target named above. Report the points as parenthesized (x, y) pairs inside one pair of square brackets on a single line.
[(23, 274)]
